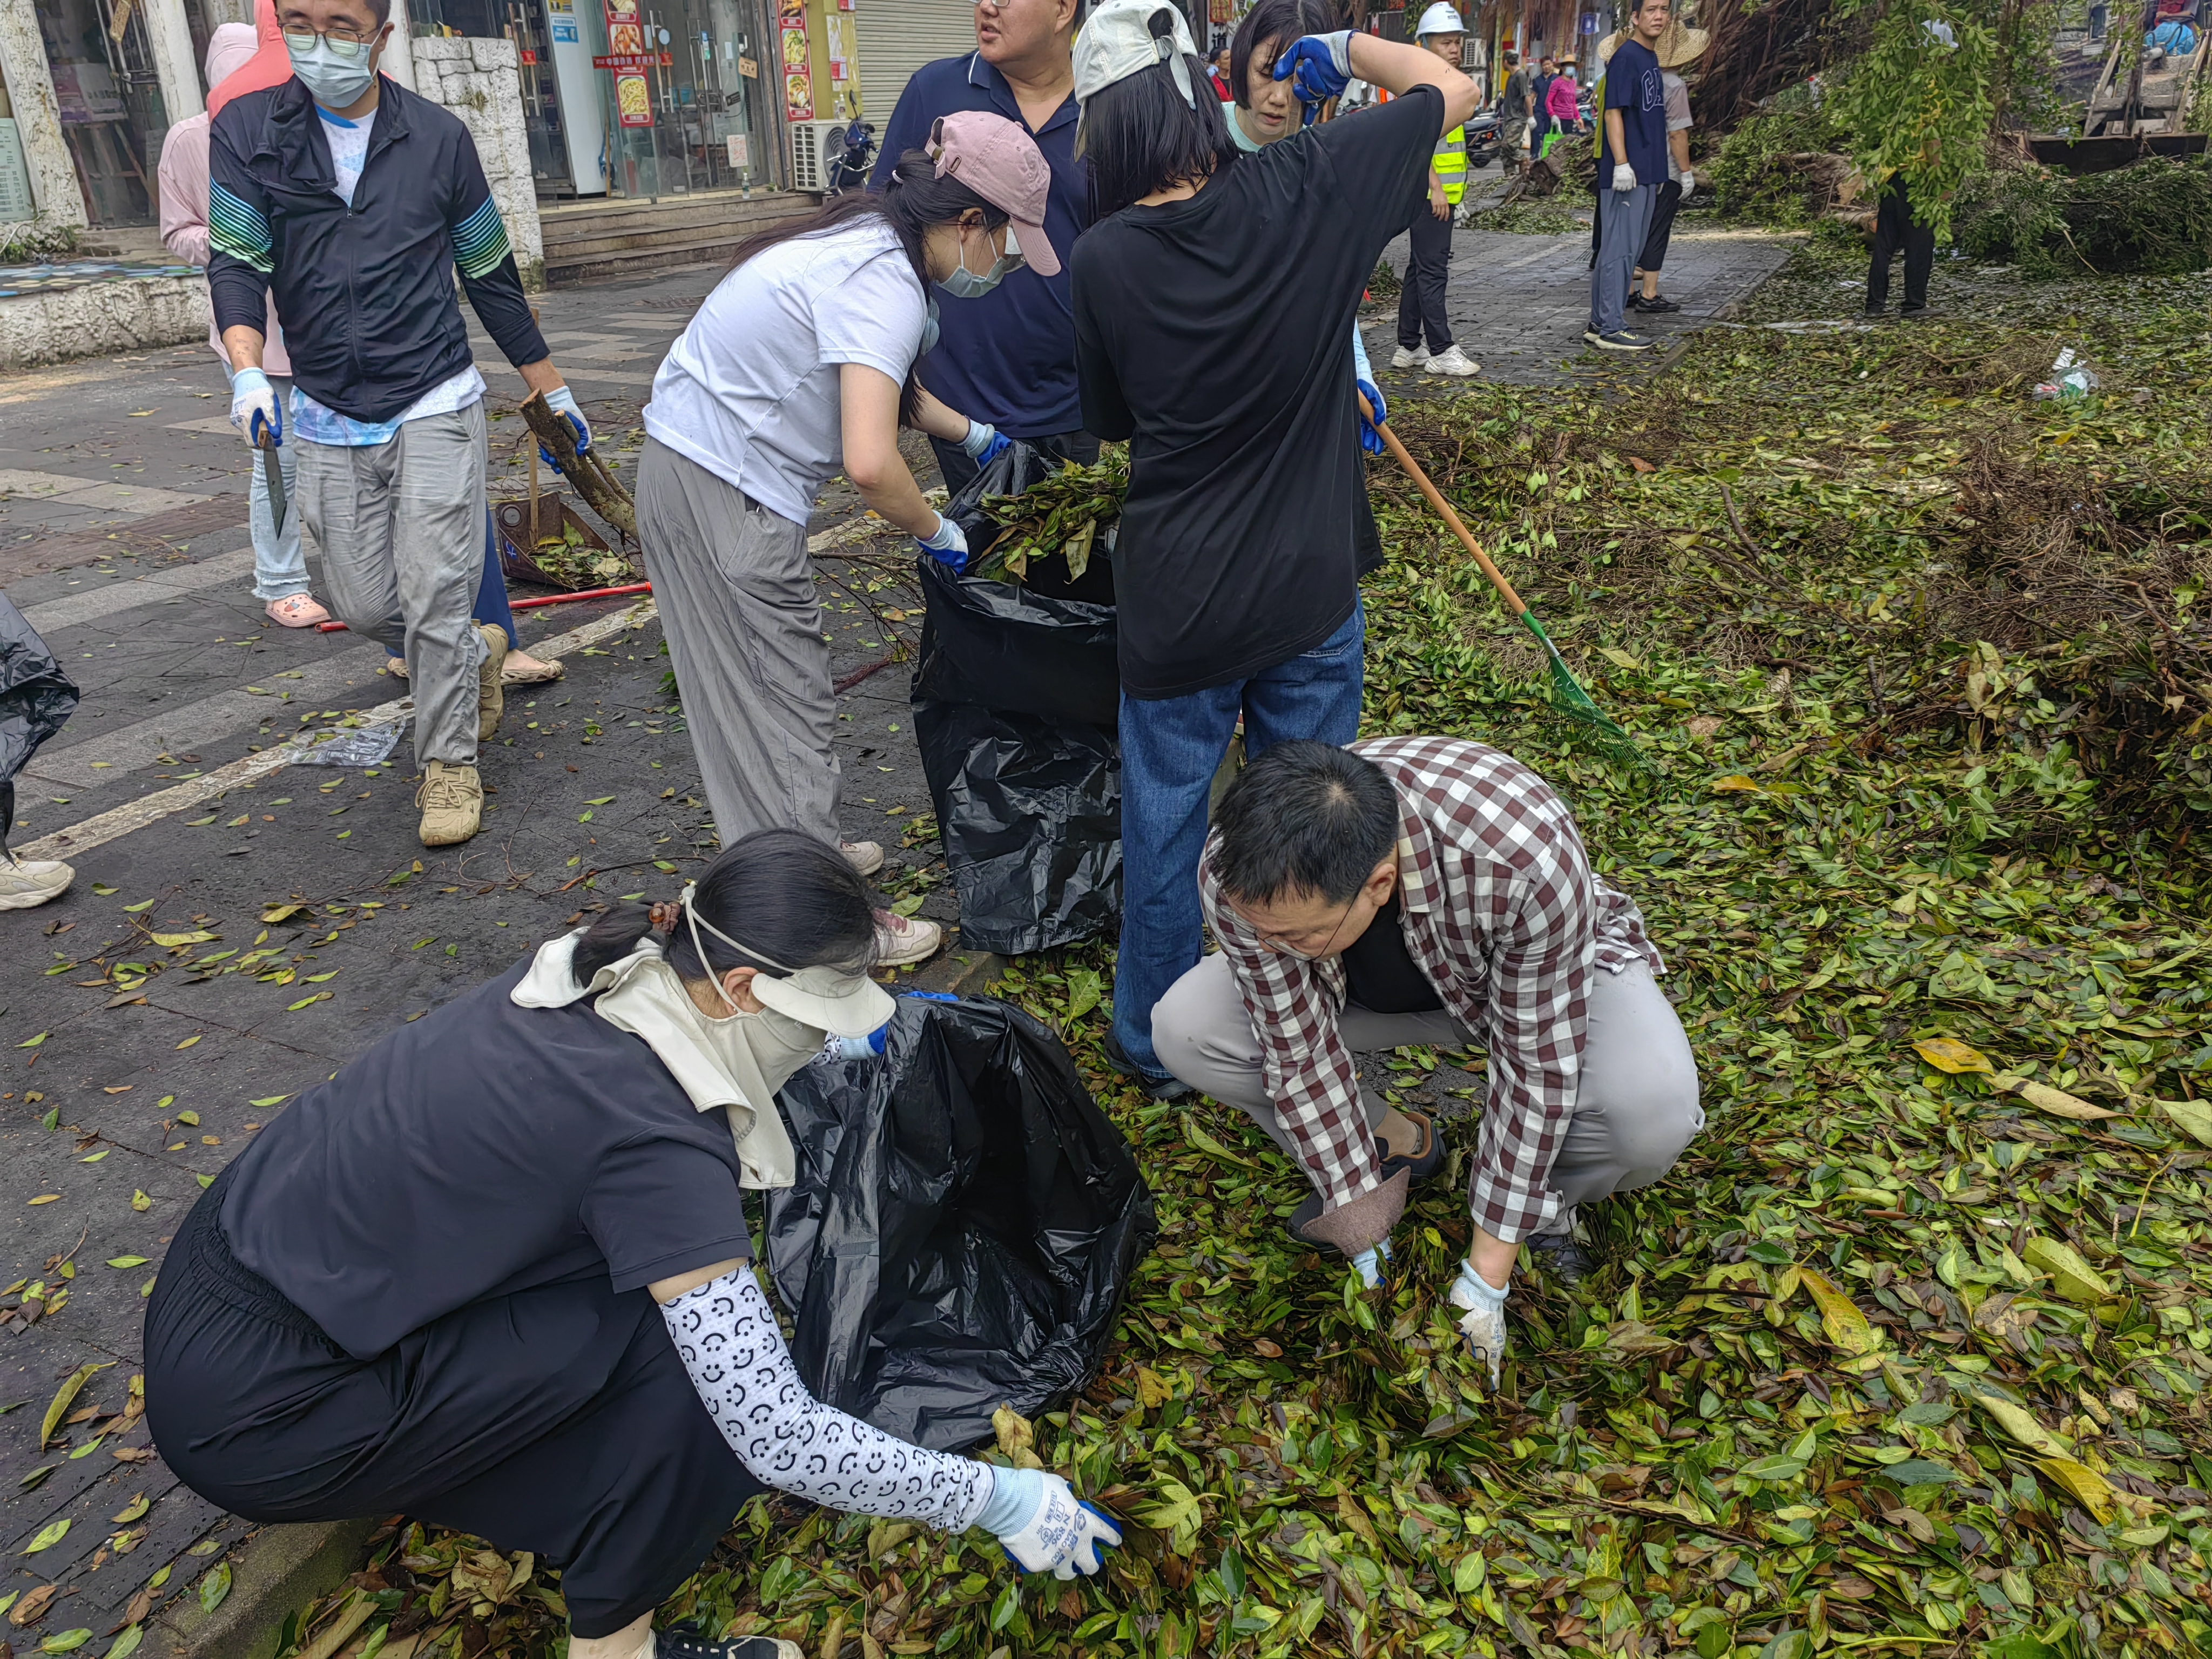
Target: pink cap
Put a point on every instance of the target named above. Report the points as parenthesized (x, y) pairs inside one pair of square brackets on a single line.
[(1002, 164)]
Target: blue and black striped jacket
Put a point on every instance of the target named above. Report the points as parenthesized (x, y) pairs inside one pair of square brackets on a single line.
[(365, 292)]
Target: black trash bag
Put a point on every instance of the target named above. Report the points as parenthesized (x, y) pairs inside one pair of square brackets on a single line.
[(1003, 647), (1009, 472), (965, 1224), (36, 700), (1029, 812)]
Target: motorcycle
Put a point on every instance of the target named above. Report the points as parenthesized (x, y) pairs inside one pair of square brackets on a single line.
[(1483, 132), (848, 169)]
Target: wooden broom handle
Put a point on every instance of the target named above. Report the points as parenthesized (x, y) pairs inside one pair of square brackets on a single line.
[(1513, 601)]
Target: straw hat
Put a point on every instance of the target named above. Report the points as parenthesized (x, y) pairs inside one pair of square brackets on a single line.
[(1680, 45)]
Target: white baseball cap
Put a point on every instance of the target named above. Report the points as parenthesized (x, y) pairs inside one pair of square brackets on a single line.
[(1125, 36), (1441, 18)]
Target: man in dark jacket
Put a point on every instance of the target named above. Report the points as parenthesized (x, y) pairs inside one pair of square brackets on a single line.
[(351, 201), (1008, 357)]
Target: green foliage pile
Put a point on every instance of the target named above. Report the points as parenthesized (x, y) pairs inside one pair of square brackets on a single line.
[(1911, 1353), (2153, 217), (1759, 172)]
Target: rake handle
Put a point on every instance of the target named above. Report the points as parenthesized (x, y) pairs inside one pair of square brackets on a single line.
[(1514, 602)]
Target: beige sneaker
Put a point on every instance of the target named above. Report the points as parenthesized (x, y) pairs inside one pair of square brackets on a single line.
[(491, 701), (26, 883), (452, 800), (865, 856), (903, 940)]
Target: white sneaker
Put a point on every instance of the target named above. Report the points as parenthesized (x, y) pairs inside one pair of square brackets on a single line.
[(1453, 362), (865, 856), (1409, 356), (903, 940), (26, 883)]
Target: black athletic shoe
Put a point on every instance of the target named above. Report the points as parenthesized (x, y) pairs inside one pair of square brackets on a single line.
[(1657, 303), (1561, 1257), (1426, 1163), (690, 1642), (1619, 340), (1167, 1088), (1916, 313), (1873, 313)]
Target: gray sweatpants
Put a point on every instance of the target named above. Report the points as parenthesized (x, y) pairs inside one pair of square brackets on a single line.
[(1635, 1110), (401, 527), (1623, 221), (736, 601)]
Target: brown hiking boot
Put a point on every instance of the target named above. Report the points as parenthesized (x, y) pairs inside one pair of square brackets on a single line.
[(491, 701), (452, 800)]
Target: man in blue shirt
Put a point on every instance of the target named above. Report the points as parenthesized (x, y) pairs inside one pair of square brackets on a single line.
[(1632, 165), (1009, 357)]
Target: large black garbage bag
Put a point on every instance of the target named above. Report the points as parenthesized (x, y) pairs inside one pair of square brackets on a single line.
[(36, 700), (1029, 812), (1002, 646), (965, 1224)]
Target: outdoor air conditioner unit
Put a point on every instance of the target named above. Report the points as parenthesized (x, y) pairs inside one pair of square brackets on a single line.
[(814, 145)]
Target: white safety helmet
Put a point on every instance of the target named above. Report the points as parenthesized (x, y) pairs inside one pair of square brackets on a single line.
[(1441, 18)]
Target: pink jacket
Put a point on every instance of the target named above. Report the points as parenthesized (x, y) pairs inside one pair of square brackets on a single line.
[(184, 183), (1560, 100)]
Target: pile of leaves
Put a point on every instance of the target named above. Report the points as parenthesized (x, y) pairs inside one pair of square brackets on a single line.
[(2152, 217), (1061, 516), (1910, 1353), (1781, 166), (570, 561)]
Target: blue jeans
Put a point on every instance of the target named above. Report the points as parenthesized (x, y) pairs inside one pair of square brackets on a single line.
[(1170, 749), (491, 593)]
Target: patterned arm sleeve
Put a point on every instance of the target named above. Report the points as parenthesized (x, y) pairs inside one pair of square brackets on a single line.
[(487, 264), (1308, 1071), (242, 254), (726, 1335), (1535, 1019)]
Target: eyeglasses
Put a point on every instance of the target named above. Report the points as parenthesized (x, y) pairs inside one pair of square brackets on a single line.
[(344, 42)]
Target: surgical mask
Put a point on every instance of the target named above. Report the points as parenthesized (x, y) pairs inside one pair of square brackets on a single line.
[(930, 329), (965, 285), (333, 82)]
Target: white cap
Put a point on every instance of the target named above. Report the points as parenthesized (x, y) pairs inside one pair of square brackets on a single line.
[(1125, 36), (1441, 18)]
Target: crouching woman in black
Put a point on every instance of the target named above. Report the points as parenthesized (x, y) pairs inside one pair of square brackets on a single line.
[(494, 1273)]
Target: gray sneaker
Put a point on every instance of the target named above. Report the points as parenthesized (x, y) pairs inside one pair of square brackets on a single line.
[(1619, 340)]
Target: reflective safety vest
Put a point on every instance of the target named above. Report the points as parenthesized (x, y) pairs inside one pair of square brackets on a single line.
[(1450, 163)]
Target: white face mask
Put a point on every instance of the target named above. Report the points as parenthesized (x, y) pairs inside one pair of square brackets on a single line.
[(966, 284)]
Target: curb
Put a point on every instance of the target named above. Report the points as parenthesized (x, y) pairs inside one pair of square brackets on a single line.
[(961, 973), (275, 1573)]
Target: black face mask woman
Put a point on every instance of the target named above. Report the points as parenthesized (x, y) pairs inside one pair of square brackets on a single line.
[(494, 1273)]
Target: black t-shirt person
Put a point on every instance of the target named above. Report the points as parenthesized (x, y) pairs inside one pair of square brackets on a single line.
[(1237, 549)]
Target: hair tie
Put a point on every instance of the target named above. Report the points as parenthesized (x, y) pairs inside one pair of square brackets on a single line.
[(665, 916)]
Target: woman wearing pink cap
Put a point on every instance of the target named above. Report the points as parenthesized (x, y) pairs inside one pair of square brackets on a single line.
[(799, 366)]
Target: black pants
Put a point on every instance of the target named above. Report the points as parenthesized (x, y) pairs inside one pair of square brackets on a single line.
[(1421, 296), (959, 468), (557, 1420), (1893, 227), (1662, 221)]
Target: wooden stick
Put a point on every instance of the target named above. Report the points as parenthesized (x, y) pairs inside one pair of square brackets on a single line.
[(533, 500), (1514, 602), (600, 489)]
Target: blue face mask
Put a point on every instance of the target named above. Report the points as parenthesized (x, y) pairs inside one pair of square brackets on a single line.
[(966, 284), (930, 329), (331, 81)]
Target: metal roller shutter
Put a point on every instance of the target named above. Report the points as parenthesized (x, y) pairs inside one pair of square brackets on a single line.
[(898, 37)]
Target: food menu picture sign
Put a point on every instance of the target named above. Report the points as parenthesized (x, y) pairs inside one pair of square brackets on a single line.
[(797, 74), (626, 39)]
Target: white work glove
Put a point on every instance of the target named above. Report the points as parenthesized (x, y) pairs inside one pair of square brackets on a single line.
[(1624, 176), (1483, 1325), (983, 442), (1689, 181), (562, 401), (253, 408), (946, 544), (1043, 1525)]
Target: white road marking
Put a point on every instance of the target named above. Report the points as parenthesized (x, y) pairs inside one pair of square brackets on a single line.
[(152, 588)]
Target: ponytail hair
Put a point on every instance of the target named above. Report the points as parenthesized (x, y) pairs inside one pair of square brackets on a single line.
[(790, 901)]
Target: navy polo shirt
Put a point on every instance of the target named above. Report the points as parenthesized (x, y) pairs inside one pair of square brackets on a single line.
[(1009, 357)]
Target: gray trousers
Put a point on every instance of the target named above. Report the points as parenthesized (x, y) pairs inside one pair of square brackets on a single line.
[(1623, 221), (1635, 1110), (401, 527), (736, 601)]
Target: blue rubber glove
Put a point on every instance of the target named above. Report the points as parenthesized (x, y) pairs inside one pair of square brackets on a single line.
[(254, 409), (1371, 435), (984, 444), (562, 401), (947, 545), (1318, 68), (1043, 1526)]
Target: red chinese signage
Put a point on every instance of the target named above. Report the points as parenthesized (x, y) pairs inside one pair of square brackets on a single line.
[(634, 60)]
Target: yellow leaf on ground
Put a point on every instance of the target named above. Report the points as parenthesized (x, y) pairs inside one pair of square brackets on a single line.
[(2073, 1278), (1949, 1054), (2191, 1116), (1734, 780), (2087, 1486), (2020, 1423), (2057, 1102), (1152, 1388), (1847, 1328)]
